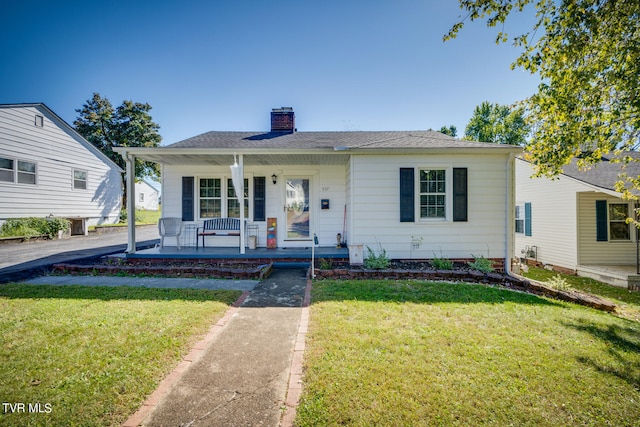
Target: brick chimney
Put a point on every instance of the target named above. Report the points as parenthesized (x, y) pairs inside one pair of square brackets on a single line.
[(283, 120)]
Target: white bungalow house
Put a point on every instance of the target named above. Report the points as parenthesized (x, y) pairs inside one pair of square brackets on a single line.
[(416, 194), (577, 222), (147, 196), (48, 169)]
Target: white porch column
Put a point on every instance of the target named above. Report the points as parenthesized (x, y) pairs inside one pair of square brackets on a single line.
[(131, 206), (241, 201)]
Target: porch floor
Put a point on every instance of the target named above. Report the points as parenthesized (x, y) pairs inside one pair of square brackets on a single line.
[(623, 276), (278, 254)]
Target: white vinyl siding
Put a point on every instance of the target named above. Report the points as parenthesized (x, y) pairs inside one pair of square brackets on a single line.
[(554, 217), (44, 159), (376, 214)]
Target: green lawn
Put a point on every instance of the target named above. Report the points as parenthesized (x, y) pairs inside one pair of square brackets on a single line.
[(628, 301), (90, 356), (398, 353)]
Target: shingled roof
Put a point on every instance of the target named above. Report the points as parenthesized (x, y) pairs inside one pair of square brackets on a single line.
[(605, 173), (331, 140)]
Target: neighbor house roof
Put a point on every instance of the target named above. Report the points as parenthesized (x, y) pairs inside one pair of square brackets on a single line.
[(330, 140), (605, 173), (67, 128)]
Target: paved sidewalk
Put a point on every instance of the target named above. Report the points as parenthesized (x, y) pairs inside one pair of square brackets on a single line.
[(241, 373)]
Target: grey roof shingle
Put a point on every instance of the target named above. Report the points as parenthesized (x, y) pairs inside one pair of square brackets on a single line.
[(605, 173), (319, 140)]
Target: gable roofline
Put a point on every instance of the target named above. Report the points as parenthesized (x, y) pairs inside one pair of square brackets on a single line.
[(587, 178), (67, 128)]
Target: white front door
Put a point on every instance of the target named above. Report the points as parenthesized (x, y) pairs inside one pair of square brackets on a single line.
[(297, 213)]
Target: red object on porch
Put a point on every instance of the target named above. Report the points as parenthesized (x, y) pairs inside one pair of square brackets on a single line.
[(272, 233)]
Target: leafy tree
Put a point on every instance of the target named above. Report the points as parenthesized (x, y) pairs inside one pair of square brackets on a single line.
[(129, 125), (497, 123), (587, 54), (451, 130)]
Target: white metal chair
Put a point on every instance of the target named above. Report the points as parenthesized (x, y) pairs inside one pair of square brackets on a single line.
[(170, 227)]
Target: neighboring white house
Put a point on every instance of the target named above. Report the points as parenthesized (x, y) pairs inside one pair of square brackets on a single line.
[(417, 194), (48, 169), (577, 221), (147, 196)]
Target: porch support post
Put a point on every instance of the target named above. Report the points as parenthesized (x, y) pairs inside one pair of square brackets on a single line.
[(241, 202), (131, 207)]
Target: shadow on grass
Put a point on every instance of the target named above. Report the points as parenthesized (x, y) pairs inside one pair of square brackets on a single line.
[(418, 292), (623, 344), (22, 291)]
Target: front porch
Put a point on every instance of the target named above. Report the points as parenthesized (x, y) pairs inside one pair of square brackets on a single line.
[(278, 255), (622, 276)]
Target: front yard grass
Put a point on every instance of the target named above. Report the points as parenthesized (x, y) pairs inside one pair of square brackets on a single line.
[(89, 356), (628, 301), (421, 354)]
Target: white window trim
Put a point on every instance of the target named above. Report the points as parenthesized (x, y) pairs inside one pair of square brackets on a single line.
[(448, 168), (224, 205), (73, 179), (17, 172), (519, 209), (629, 227)]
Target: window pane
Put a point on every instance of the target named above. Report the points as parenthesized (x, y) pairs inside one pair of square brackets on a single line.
[(80, 175), (618, 212), (26, 178), (6, 163), (79, 184), (26, 167), (210, 208), (618, 231), (6, 175), (519, 226)]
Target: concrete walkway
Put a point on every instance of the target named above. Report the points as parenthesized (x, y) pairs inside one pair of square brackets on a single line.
[(247, 371)]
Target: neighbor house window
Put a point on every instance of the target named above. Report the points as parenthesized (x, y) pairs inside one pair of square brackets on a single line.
[(210, 198), (39, 122), (520, 219), (141, 198), (26, 172), (618, 227), (79, 179), (6, 169), (233, 206), (433, 193)]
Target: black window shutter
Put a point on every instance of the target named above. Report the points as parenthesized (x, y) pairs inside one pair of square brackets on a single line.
[(460, 199), (527, 219), (602, 234), (407, 189), (259, 198), (187, 198)]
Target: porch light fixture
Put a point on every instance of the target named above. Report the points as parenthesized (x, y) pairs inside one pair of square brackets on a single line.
[(274, 178)]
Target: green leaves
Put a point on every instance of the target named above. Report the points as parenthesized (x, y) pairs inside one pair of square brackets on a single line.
[(497, 123), (587, 54)]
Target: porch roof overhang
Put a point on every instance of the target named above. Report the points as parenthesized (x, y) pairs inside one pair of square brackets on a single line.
[(271, 156)]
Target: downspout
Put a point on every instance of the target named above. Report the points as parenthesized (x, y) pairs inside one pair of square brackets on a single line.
[(131, 208), (509, 214)]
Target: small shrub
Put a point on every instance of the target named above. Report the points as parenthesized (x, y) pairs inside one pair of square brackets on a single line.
[(325, 264), (442, 263), (376, 262), (559, 283), (481, 264), (30, 227)]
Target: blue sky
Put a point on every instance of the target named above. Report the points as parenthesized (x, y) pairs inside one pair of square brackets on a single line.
[(222, 65)]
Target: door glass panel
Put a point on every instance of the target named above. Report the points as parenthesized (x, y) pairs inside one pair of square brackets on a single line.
[(297, 207)]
